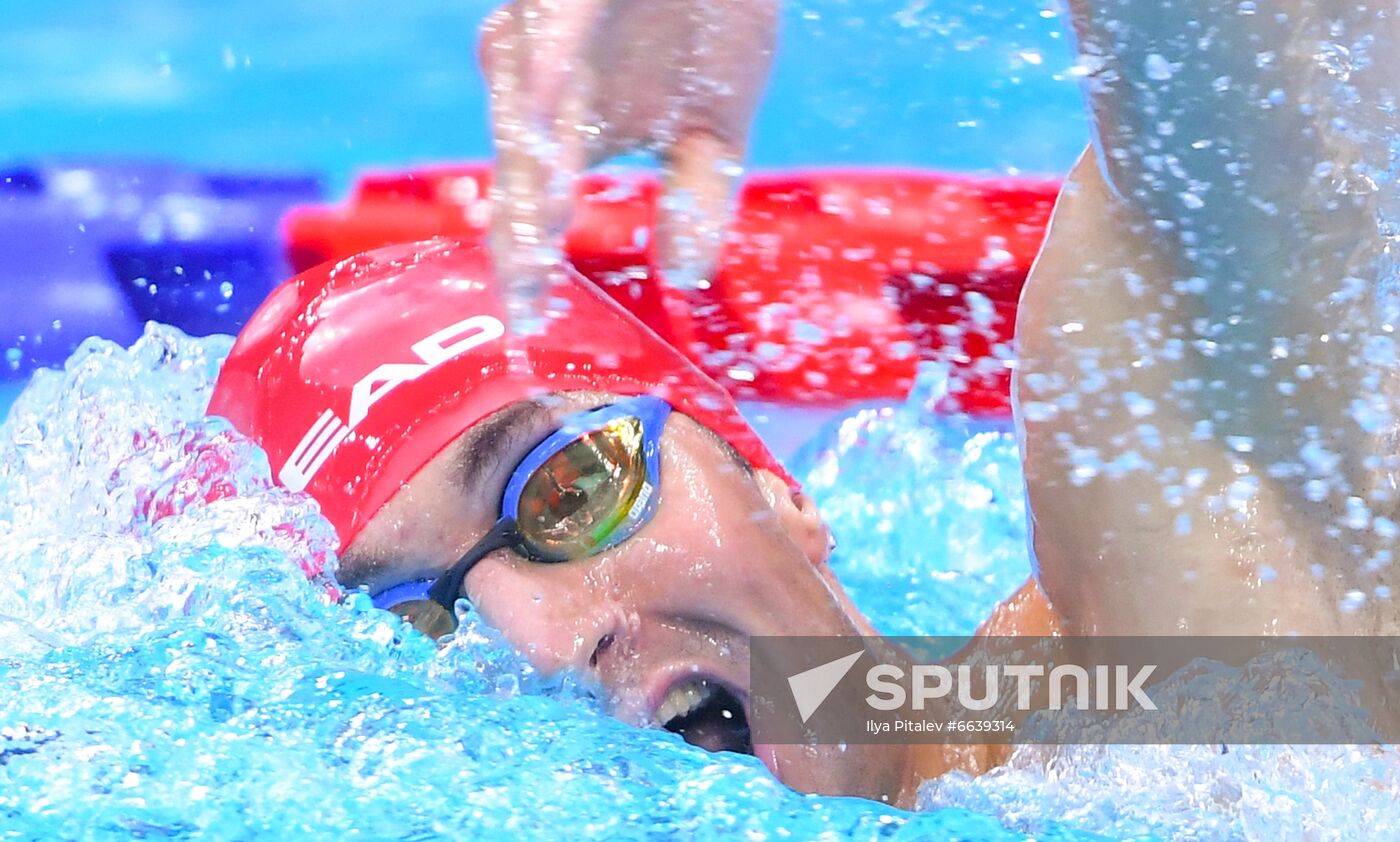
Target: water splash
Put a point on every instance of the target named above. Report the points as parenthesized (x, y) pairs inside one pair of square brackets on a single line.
[(927, 510), (178, 665)]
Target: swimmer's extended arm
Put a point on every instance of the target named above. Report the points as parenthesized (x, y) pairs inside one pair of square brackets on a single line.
[(1207, 425), (1221, 124), (574, 82)]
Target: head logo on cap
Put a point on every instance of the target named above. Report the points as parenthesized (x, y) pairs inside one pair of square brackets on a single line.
[(329, 430)]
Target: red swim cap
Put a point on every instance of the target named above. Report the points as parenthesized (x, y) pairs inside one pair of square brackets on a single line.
[(352, 376)]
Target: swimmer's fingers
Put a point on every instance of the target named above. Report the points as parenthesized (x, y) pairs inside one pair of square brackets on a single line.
[(526, 49), (709, 60), (549, 40), (516, 216), (702, 176), (734, 42)]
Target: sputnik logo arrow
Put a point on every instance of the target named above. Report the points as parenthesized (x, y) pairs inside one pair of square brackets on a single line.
[(810, 688)]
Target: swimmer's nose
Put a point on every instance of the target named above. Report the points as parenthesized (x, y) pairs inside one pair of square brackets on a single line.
[(558, 628), (578, 644), (567, 645)]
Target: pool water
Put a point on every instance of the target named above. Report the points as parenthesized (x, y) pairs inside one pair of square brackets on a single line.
[(9, 390), (335, 87), (176, 666), (175, 663)]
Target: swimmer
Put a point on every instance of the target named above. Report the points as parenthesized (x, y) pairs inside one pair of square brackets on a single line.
[(600, 501), (588, 490)]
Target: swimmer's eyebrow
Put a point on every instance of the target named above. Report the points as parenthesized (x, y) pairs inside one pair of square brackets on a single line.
[(479, 456), (488, 444)]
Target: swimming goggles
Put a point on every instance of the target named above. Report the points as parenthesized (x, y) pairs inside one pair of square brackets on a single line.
[(586, 488)]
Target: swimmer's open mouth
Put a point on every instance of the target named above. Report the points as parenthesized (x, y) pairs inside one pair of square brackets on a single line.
[(706, 714)]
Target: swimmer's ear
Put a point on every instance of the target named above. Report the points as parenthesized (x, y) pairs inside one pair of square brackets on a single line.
[(797, 515)]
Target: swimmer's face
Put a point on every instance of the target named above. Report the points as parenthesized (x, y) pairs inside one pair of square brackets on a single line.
[(659, 624)]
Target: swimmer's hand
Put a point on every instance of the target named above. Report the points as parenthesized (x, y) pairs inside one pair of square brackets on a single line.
[(575, 82)]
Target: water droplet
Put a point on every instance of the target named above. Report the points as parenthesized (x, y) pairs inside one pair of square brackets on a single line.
[(1158, 68), (1139, 406), (1335, 59), (1240, 444), (1352, 602)]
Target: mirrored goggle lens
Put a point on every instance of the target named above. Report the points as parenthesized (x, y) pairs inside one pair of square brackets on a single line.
[(427, 616), (573, 504)]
